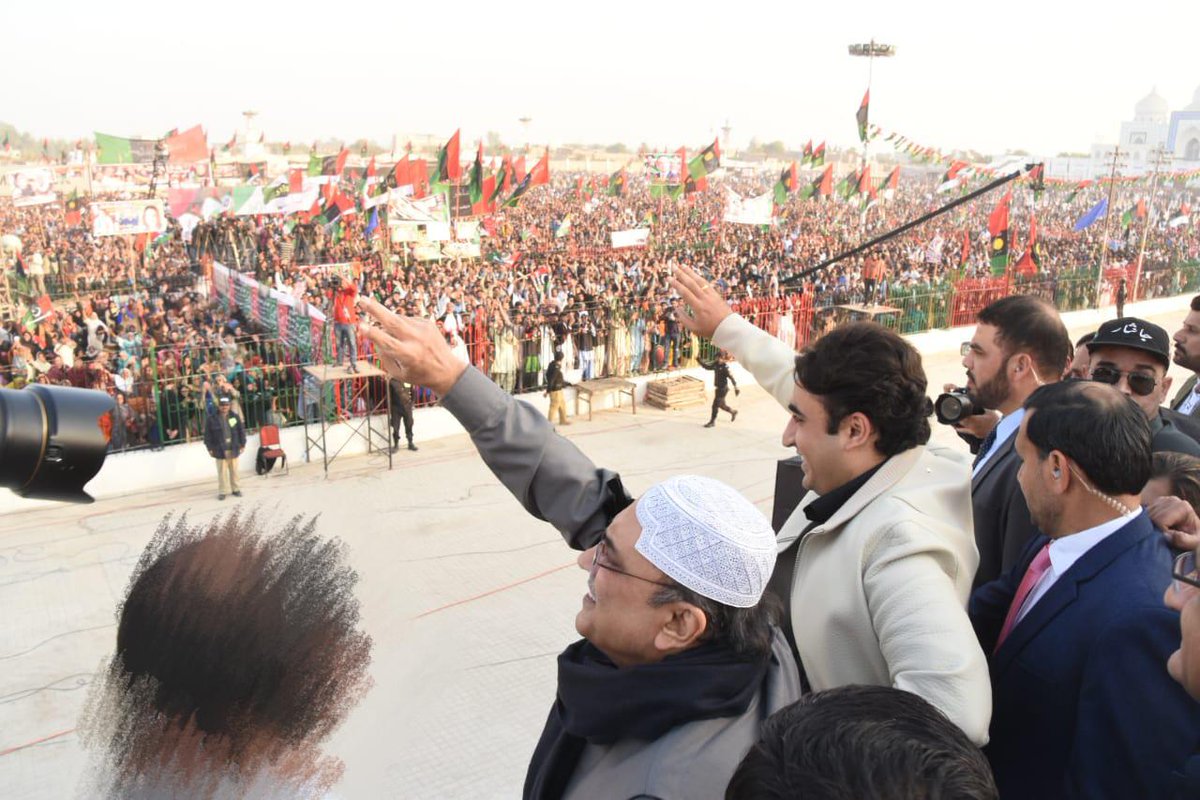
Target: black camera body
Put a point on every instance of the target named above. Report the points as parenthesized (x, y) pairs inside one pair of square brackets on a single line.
[(953, 407), (51, 440)]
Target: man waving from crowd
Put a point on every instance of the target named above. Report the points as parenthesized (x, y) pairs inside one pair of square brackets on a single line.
[(876, 563)]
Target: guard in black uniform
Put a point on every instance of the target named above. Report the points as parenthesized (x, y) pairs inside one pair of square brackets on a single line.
[(721, 380), (402, 406)]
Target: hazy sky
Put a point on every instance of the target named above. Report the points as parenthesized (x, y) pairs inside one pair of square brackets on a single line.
[(1045, 76)]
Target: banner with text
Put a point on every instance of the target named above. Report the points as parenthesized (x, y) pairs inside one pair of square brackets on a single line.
[(637, 237), (127, 217)]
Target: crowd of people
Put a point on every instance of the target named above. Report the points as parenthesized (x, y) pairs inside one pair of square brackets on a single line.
[(1014, 618), (139, 317)]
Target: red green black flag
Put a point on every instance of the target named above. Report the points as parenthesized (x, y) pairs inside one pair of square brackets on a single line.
[(788, 182), (616, 183), (475, 185), (861, 116), (74, 211), (448, 167), (998, 229), (706, 162)]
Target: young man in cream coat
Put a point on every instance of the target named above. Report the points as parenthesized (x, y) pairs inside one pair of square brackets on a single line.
[(876, 563)]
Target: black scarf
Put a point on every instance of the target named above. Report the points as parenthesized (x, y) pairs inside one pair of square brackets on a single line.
[(601, 704)]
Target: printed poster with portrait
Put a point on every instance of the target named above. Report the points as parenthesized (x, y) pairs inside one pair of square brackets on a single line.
[(127, 217), (663, 167), (33, 187)]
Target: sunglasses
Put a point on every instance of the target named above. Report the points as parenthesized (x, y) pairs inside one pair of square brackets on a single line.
[(1140, 383), (1184, 571)]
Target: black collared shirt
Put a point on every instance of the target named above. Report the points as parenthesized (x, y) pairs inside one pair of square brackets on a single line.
[(820, 510)]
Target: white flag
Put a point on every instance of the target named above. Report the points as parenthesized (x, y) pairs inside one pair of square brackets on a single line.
[(749, 210)]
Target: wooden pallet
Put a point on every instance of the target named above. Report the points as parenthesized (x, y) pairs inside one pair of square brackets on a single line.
[(680, 392)]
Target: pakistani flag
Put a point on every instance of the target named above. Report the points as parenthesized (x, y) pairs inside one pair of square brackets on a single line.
[(118, 150), (275, 190), (563, 228)]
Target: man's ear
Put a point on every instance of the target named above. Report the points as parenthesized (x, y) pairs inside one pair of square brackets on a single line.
[(684, 628), (859, 429)]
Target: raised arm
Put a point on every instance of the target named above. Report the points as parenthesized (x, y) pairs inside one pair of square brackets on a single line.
[(545, 472), (769, 360)]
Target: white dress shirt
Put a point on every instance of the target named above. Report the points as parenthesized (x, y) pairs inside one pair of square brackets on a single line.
[(1189, 403), (1006, 427), (1064, 552)]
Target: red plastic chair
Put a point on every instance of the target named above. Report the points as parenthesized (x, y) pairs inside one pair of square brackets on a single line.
[(268, 440)]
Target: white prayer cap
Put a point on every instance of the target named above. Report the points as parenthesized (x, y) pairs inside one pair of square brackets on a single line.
[(708, 537)]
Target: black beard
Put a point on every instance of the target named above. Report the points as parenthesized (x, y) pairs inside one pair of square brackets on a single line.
[(994, 392)]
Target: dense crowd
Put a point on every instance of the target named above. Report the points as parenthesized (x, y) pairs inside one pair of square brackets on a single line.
[(137, 316)]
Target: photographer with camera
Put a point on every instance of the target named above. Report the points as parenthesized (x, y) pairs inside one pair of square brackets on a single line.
[(1020, 343), (345, 318)]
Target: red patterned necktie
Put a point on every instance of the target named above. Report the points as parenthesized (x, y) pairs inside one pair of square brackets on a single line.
[(1037, 568)]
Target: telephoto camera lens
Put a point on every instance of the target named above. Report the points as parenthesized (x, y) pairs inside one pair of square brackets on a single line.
[(952, 407), (52, 441)]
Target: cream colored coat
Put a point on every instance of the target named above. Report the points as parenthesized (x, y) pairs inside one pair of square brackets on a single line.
[(880, 590)]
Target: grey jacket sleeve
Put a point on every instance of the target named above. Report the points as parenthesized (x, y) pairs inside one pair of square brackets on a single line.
[(545, 472)]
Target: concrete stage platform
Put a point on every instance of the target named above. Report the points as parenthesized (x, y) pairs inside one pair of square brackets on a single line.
[(468, 599)]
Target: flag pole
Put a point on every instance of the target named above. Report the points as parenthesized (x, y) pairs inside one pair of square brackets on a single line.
[(1108, 212), (1137, 275), (88, 168), (996, 184)]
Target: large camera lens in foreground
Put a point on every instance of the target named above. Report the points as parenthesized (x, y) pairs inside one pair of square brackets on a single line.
[(51, 440)]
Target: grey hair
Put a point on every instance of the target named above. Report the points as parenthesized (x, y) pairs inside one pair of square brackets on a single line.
[(746, 630)]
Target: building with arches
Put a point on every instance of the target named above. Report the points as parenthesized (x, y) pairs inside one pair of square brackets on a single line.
[(1183, 134), (1154, 126)]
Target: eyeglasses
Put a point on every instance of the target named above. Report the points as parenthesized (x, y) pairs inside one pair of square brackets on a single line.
[(597, 564), (964, 349), (1140, 383), (1185, 571)]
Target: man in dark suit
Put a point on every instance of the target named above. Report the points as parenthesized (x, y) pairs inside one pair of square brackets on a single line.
[(1020, 343), (225, 439), (1077, 630), (1187, 355)]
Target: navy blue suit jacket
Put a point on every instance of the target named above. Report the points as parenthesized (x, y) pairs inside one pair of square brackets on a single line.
[(1082, 702)]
